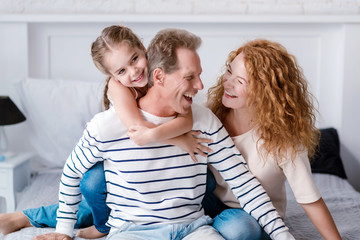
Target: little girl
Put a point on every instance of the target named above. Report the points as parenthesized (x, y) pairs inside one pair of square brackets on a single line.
[(119, 54)]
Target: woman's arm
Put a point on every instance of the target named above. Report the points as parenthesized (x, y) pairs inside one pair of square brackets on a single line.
[(321, 218)]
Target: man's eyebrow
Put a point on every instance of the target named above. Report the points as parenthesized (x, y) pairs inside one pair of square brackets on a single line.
[(190, 74)]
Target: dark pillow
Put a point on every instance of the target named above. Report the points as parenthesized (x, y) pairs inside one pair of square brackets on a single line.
[(327, 159)]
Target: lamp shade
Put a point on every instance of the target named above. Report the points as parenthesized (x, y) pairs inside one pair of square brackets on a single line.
[(9, 113)]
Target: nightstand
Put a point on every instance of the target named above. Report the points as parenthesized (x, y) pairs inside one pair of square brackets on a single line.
[(14, 177)]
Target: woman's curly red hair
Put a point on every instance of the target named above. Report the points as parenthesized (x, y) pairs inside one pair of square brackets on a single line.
[(282, 106)]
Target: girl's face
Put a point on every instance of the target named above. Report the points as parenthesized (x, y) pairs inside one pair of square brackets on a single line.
[(127, 65), (235, 82)]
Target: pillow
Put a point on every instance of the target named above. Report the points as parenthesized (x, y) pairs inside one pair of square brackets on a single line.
[(57, 111), (327, 159)]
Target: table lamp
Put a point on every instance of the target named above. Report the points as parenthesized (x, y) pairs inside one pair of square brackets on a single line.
[(9, 114)]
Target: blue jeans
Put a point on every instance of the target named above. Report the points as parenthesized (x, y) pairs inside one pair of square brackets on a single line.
[(92, 209), (132, 231), (231, 223), (46, 216)]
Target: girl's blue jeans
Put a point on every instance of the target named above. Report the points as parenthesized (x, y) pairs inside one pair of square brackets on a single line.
[(92, 209), (232, 224)]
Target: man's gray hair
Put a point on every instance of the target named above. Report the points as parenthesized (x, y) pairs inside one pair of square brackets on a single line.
[(161, 52)]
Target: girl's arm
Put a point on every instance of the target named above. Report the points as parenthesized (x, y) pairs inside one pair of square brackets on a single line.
[(127, 110), (143, 132), (125, 105), (171, 129), (187, 142), (321, 218)]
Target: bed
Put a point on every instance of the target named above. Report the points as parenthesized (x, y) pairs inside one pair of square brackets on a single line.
[(50, 117), (340, 197), (53, 81)]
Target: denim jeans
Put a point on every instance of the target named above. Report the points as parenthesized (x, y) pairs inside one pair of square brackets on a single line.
[(92, 209), (93, 188), (198, 228), (231, 223), (46, 216)]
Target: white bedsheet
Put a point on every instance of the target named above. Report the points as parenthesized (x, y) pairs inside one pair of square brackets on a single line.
[(343, 202), (340, 197), (42, 192)]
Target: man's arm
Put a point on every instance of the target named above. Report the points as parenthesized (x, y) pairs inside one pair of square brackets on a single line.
[(251, 195), (85, 154)]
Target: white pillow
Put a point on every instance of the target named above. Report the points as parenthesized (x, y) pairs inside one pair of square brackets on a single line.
[(57, 111)]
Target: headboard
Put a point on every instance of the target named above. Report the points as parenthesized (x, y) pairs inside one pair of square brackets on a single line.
[(57, 46)]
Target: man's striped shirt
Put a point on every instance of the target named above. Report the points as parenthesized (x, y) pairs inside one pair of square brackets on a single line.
[(159, 183)]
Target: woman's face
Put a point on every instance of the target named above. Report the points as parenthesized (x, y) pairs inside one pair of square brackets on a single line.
[(127, 65), (235, 82)]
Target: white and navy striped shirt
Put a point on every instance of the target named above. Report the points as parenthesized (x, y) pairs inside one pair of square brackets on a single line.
[(158, 183)]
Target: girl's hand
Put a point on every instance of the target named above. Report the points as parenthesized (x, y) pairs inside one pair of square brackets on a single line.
[(141, 135), (191, 144), (188, 142)]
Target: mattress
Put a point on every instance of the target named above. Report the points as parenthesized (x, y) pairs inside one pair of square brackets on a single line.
[(343, 202), (341, 198), (36, 195)]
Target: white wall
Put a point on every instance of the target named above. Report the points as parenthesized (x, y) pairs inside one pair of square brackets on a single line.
[(13, 65), (349, 131), (181, 6)]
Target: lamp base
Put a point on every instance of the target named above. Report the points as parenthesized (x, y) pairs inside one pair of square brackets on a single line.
[(3, 140)]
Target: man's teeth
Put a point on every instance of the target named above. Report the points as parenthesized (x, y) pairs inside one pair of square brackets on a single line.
[(189, 96)]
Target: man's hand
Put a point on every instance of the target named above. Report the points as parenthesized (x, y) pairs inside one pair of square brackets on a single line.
[(52, 236)]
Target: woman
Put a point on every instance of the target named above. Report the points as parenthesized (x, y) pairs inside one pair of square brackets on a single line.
[(264, 103)]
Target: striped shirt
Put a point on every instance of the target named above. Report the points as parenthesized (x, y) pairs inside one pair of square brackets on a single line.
[(159, 183)]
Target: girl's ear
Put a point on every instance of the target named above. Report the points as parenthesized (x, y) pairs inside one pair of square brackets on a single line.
[(158, 76)]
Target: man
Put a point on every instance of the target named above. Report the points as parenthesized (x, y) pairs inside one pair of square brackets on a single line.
[(155, 191)]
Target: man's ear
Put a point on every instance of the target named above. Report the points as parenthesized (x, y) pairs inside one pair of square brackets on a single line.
[(158, 76)]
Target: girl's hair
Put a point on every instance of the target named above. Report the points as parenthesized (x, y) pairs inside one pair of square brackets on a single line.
[(162, 49), (109, 40), (278, 96)]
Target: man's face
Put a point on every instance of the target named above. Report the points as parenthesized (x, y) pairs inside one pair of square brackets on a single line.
[(182, 85)]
